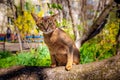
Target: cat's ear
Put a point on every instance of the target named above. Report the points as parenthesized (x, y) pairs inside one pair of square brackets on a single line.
[(55, 15), (35, 16)]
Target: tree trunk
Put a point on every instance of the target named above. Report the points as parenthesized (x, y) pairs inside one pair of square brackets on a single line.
[(118, 42), (19, 38), (108, 69), (14, 10)]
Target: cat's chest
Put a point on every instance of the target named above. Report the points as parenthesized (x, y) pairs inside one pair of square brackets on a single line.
[(52, 39), (51, 42)]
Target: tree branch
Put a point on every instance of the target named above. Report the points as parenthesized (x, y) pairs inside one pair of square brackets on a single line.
[(108, 69), (118, 41), (98, 30), (98, 24)]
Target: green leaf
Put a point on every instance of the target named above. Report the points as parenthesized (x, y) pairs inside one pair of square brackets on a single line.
[(60, 7), (49, 5), (54, 5)]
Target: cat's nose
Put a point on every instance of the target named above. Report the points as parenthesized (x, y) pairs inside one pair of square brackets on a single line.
[(48, 29), (45, 30)]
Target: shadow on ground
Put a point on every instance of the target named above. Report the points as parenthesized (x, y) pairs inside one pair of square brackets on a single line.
[(22, 73)]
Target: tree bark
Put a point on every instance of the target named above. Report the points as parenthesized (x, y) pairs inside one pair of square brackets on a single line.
[(108, 69)]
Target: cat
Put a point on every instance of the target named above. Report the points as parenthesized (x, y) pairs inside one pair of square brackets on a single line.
[(63, 51)]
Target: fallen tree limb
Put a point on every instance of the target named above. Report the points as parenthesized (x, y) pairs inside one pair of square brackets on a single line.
[(108, 69)]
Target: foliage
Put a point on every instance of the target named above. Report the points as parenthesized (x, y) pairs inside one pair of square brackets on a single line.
[(55, 6), (6, 59), (36, 57), (103, 45), (39, 57), (29, 7), (66, 26), (93, 52), (5, 54), (25, 22)]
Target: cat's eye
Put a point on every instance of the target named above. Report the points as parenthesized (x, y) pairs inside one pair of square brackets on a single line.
[(41, 24), (50, 22)]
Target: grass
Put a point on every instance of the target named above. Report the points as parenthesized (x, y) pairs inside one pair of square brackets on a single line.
[(92, 52), (38, 57)]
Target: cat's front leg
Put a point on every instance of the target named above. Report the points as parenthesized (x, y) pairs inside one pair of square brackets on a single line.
[(53, 61), (69, 61)]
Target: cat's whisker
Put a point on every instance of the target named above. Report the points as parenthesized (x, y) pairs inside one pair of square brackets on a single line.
[(47, 32)]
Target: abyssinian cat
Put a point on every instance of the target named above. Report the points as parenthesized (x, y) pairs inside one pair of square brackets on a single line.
[(62, 48)]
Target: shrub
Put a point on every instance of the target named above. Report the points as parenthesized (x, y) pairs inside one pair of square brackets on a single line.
[(93, 51), (36, 57), (5, 54)]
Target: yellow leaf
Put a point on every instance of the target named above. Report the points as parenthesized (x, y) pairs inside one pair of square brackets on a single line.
[(41, 13)]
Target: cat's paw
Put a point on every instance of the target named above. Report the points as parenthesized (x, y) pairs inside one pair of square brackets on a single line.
[(53, 65), (68, 67), (74, 63)]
